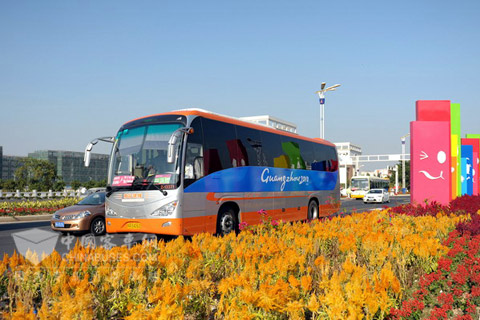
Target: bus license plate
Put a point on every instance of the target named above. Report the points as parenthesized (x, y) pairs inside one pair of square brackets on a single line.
[(59, 225), (133, 225)]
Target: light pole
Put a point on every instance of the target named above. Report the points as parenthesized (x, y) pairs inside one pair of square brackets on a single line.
[(396, 178), (403, 161), (321, 96)]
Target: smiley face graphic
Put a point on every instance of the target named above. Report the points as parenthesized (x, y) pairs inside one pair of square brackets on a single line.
[(441, 158)]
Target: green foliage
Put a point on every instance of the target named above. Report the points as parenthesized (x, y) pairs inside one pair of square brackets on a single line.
[(75, 184), (95, 184), (8, 185), (400, 173), (35, 174), (59, 185)]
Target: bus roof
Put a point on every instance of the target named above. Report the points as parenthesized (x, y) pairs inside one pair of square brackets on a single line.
[(236, 121)]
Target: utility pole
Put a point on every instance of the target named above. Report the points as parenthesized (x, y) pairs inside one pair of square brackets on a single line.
[(404, 186)]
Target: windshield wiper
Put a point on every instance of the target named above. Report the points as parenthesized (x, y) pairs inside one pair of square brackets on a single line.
[(156, 187), (165, 193), (143, 182)]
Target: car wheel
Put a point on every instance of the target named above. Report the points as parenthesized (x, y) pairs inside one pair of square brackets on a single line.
[(312, 210), (97, 227), (226, 221)]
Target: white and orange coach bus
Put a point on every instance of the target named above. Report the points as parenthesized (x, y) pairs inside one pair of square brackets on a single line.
[(191, 171)]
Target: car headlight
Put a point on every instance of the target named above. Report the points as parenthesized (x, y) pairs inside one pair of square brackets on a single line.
[(110, 212), (165, 210), (81, 215)]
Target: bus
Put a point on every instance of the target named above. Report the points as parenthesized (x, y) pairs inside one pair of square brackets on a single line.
[(360, 185), (191, 171)]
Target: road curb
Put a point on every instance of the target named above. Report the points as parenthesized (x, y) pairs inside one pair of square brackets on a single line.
[(38, 217)]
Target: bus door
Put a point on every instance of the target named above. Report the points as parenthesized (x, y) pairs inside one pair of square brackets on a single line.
[(194, 202)]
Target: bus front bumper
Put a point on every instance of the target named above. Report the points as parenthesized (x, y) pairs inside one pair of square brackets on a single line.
[(357, 196), (156, 226)]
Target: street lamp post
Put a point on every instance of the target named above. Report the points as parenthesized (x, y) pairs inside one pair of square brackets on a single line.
[(321, 96), (403, 161), (396, 178)]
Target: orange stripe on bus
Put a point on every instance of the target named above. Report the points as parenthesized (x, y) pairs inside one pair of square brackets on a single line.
[(211, 197), (237, 122)]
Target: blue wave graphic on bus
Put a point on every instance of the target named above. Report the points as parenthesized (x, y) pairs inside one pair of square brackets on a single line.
[(264, 179)]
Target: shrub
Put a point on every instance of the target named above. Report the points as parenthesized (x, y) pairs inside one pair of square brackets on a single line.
[(453, 290)]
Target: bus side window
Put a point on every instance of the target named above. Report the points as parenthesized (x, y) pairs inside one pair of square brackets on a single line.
[(216, 153), (326, 159), (272, 148), (251, 142)]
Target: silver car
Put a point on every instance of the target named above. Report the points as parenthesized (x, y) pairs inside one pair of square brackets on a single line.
[(377, 195)]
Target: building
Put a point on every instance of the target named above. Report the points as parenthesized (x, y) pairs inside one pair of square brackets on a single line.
[(347, 168), (70, 165), (9, 165), (270, 121)]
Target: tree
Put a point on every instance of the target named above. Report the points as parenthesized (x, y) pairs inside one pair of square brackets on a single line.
[(75, 184), (400, 172), (9, 185), (59, 185), (35, 174)]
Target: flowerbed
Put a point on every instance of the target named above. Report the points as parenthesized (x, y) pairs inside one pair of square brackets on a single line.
[(359, 266), (14, 208), (453, 290)]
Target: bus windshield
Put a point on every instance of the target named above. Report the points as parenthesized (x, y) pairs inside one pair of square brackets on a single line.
[(360, 183), (140, 155)]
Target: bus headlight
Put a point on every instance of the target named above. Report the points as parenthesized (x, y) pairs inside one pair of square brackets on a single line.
[(165, 210), (110, 212)]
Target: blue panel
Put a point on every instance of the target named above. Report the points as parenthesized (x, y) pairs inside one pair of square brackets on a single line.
[(467, 173), (265, 179)]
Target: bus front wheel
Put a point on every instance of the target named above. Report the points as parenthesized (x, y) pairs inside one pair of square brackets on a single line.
[(312, 210), (227, 221)]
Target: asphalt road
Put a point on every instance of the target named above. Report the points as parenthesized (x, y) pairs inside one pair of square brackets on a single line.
[(13, 234), (354, 205)]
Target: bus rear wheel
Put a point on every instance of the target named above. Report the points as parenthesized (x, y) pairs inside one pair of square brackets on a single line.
[(226, 221), (312, 210)]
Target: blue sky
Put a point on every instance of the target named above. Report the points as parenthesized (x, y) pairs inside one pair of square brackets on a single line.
[(71, 71)]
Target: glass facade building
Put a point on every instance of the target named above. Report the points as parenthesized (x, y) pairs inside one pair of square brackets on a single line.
[(9, 164), (70, 166)]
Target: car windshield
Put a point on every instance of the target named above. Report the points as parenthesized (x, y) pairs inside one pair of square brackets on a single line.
[(93, 199), (141, 153), (376, 191)]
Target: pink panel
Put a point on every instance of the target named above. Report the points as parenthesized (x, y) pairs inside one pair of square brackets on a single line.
[(430, 156), (475, 143), (433, 110)]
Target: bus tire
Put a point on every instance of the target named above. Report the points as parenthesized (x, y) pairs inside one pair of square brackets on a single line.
[(313, 210), (227, 221)]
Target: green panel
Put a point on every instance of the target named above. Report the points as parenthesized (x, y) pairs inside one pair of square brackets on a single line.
[(456, 130), (472, 136)]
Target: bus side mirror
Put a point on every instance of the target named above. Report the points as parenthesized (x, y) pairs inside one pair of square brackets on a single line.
[(88, 149), (86, 157), (174, 139)]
